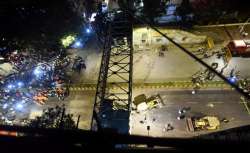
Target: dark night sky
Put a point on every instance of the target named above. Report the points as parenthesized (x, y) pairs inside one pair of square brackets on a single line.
[(37, 19), (32, 18), (16, 15), (240, 5)]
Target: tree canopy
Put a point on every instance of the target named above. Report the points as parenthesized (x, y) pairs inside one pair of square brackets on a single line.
[(54, 118), (153, 9), (40, 23)]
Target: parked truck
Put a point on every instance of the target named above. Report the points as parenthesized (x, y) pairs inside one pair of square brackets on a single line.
[(239, 48)]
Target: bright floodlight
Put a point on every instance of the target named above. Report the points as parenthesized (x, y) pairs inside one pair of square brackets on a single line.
[(88, 30), (37, 72), (233, 79), (19, 106), (141, 4), (92, 18), (10, 86), (5, 106), (78, 44), (20, 84)]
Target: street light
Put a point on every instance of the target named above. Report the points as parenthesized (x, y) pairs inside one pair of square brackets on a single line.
[(37, 72), (77, 44), (19, 106), (88, 30), (5, 106), (19, 84), (233, 79), (10, 86)]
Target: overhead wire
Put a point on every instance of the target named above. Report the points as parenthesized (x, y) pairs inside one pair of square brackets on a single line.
[(141, 19)]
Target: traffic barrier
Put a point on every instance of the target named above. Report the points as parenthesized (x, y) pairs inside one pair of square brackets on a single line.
[(210, 43)]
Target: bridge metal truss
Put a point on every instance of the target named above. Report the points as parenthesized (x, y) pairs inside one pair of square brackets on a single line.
[(113, 105)]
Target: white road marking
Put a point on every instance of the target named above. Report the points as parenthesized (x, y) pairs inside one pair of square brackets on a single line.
[(217, 102), (192, 102)]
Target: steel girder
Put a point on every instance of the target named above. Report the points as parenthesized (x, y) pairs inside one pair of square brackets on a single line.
[(112, 106)]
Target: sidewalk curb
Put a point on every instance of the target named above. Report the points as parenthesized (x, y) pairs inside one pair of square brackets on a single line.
[(221, 25)]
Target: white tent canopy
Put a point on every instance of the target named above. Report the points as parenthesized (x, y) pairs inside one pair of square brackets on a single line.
[(6, 69)]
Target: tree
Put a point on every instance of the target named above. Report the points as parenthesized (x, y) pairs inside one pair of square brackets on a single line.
[(220, 11), (54, 118), (152, 9), (84, 6), (184, 10), (40, 23), (126, 3)]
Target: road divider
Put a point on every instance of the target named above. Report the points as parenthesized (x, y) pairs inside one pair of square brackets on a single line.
[(163, 85)]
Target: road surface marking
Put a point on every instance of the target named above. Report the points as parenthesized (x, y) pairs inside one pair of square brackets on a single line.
[(217, 102), (247, 108), (192, 102), (222, 25)]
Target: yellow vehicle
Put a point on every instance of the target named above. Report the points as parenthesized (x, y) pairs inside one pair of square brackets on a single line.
[(152, 104), (228, 54), (204, 123), (154, 101), (143, 103)]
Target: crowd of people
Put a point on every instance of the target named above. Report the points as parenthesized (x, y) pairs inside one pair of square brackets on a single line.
[(34, 80)]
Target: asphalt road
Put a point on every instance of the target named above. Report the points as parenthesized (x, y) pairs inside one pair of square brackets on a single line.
[(77, 103), (220, 103), (175, 65)]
